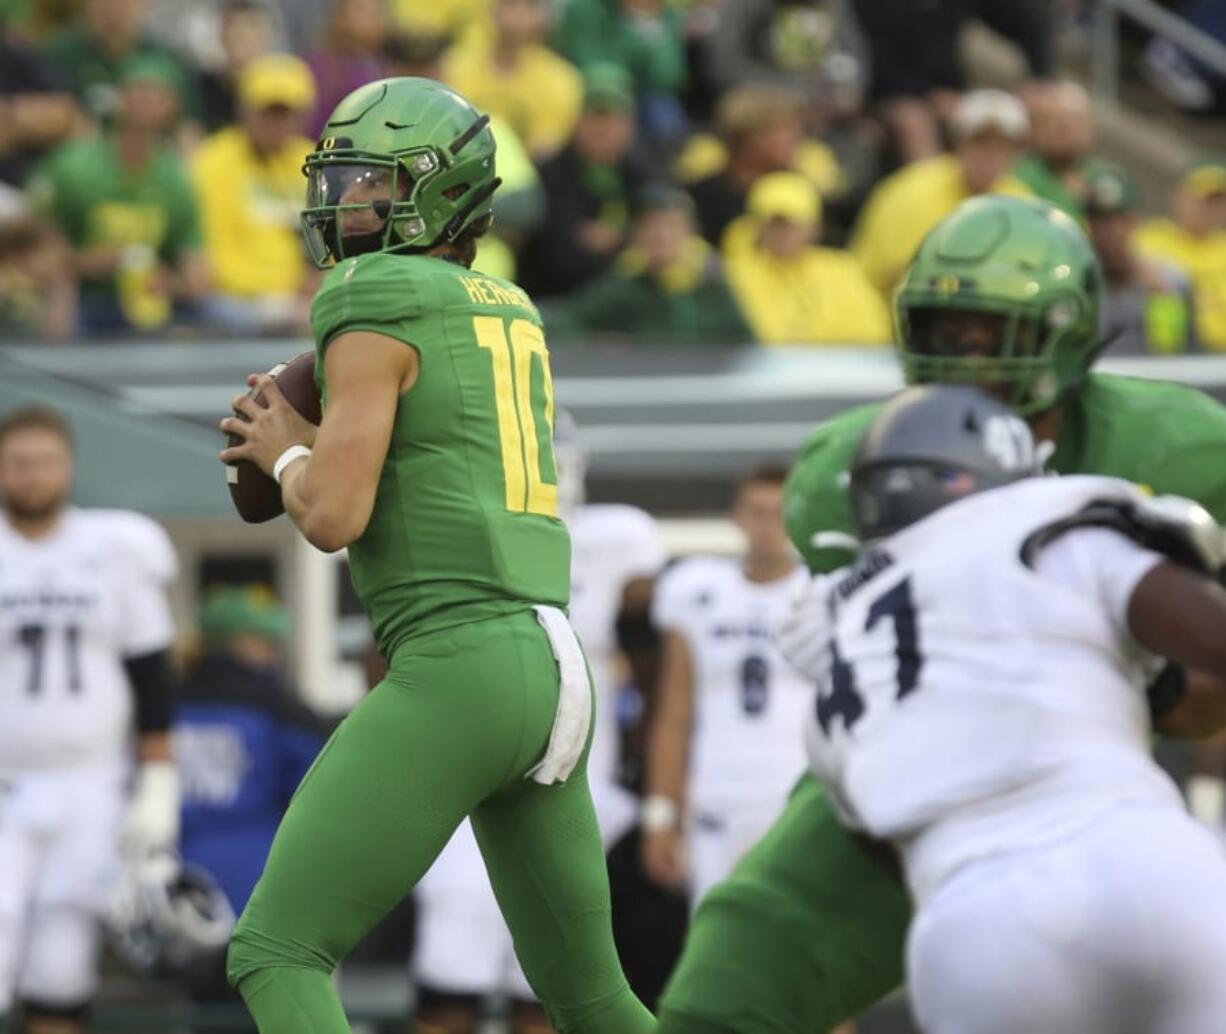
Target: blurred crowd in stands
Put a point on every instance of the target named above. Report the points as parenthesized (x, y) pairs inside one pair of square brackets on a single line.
[(675, 171)]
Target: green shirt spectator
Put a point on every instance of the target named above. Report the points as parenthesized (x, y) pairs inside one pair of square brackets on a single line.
[(91, 58), (1046, 183), (645, 37), (1148, 306), (125, 204), (1060, 164), (666, 287)]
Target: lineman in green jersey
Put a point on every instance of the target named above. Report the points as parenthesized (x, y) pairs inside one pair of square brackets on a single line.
[(809, 929), (434, 465)]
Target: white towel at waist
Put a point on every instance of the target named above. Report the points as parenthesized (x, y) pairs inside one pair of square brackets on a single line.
[(574, 714)]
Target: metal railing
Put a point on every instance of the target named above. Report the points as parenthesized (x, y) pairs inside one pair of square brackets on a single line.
[(1105, 40)]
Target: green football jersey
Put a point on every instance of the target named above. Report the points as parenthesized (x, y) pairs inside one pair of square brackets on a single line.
[(465, 521), (1167, 437)]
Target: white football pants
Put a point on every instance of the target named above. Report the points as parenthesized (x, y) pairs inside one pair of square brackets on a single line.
[(58, 862), (1120, 928)]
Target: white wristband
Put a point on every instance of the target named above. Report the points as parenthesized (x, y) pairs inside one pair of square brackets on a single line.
[(294, 452), (658, 813), (1207, 798)]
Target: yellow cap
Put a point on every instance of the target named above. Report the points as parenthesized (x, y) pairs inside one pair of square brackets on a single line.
[(784, 195), (1206, 179), (277, 79)]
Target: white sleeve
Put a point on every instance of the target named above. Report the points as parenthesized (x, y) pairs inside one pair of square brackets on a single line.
[(669, 602), (147, 566), (1102, 564), (643, 553)]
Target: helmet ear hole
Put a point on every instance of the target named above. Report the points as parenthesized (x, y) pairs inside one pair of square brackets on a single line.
[(457, 192)]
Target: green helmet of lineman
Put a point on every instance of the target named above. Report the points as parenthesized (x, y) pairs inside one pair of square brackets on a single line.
[(402, 165), (1031, 276)]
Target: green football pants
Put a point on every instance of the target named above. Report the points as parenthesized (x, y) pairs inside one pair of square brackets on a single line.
[(451, 731), (808, 931)]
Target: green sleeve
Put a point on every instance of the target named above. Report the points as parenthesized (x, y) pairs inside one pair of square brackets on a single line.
[(582, 32), (51, 196), (1197, 472), (183, 225), (815, 496), (190, 94), (666, 70), (722, 317), (661, 64), (1192, 464), (376, 292), (602, 304), (1136, 438)]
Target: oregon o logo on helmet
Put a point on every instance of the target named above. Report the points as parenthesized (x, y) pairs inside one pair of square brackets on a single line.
[(1008, 440), (946, 283)]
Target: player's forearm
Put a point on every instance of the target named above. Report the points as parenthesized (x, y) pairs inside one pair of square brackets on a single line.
[(666, 756), (1179, 614), (668, 740), (153, 747), (1201, 712), (323, 518)]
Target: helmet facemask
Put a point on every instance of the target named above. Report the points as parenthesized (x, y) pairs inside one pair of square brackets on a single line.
[(929, 447), (887, 497), (1021, 263), (1015, 354), (359, 202)]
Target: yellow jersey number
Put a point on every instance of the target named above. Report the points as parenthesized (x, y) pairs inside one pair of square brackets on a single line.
[(512, 356)]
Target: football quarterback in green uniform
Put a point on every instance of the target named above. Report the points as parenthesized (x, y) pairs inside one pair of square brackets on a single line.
[(434, 465), (1004, 293)]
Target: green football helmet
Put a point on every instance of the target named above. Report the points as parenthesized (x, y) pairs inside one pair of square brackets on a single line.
[(1029, 273), (402, 165)]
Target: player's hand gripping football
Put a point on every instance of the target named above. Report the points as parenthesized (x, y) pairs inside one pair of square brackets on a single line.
[(268, 429)]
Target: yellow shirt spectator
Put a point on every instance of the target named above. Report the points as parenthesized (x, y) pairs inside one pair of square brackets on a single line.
[(249, 183), (1203, 260), (1194, 240), (705, 154), (988, 127), (792, 292), (904, 207), (519, 204), (504, 68), (249, 211), (438, 17)]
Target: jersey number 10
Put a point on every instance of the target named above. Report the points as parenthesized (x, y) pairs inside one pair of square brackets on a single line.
[(521, 438)]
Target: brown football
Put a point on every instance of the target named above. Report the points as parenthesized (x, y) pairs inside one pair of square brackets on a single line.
[(257, 497)]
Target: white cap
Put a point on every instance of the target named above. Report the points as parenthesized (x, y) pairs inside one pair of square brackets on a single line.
[(981, 111)]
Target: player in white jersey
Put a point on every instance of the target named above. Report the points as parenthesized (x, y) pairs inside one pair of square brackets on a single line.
[(84, 630), (464, 951), (982, 672), (723, 748)]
